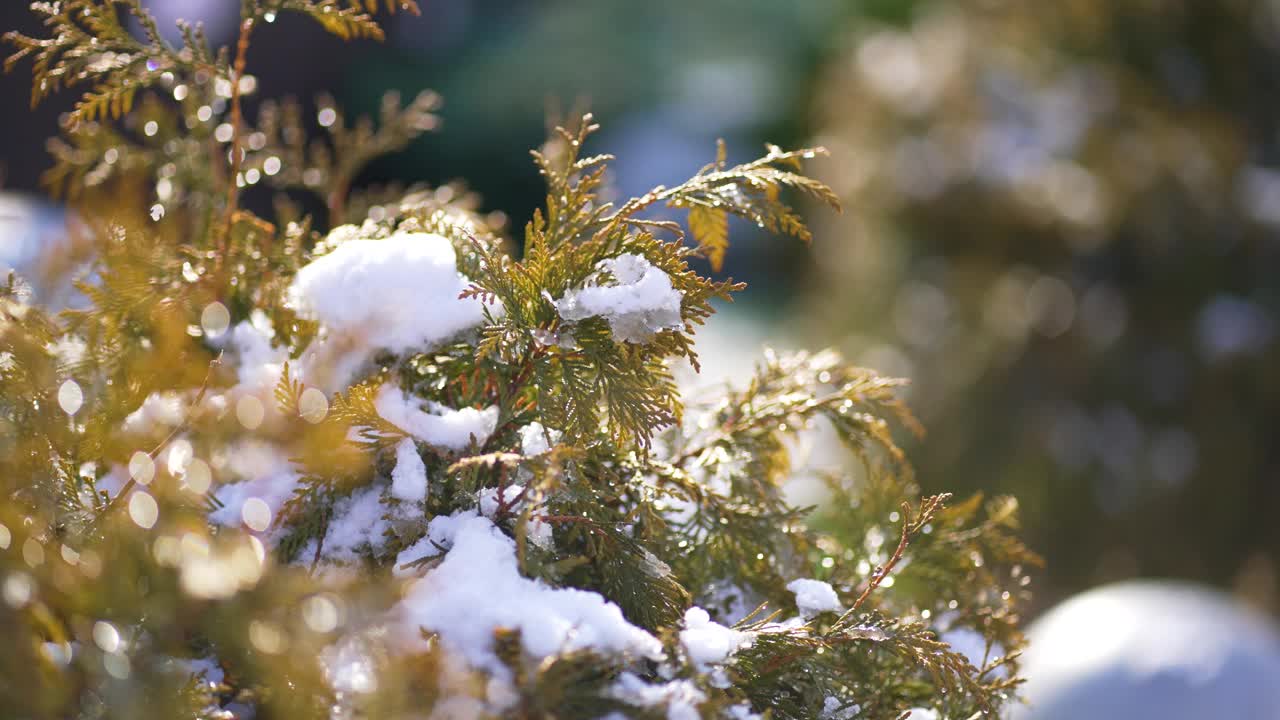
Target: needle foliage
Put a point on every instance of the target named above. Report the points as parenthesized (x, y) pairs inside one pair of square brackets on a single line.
[(124, 417)]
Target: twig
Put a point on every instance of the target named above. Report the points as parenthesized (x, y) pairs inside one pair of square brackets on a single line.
[(879, 576)]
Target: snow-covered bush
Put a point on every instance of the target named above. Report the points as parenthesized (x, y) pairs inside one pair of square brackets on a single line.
[(392, 471)]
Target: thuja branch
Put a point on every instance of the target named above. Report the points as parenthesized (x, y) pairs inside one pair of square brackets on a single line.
[(929, 507)]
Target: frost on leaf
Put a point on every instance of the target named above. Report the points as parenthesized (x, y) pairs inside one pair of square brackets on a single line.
[(637, 302)]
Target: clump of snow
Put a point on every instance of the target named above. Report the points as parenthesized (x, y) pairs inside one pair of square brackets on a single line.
[(477, 588), (814, 596), (68, 349), (398, 294), (1159, 649), (922, 714), (458, 707), (638, 302), (536, 439), (742, 711), (500, 694), (681, 697), (167, 409), (436, 425), (409, 478), (707, 642)]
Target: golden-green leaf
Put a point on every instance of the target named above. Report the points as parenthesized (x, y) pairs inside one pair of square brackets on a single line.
[(710, 227)]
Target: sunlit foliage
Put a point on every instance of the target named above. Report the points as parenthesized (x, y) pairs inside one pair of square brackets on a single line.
[(133, 588)]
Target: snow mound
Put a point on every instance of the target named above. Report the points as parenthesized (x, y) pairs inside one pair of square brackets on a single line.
[(1151, 649)]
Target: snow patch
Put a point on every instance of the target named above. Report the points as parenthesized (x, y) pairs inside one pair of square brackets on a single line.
[(814, 596), (478, 589), (166, 409), (681, 697), (267, 475), (258, 362), (833, 708), (638, 302), (973, 646), (512, 497), (348, 668)]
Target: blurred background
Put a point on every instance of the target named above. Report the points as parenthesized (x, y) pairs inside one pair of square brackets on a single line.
[(1062, 220)]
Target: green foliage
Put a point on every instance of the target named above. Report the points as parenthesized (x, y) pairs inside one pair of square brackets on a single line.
[(350, 20), (88, 43), (749, 191), (649, 496)]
